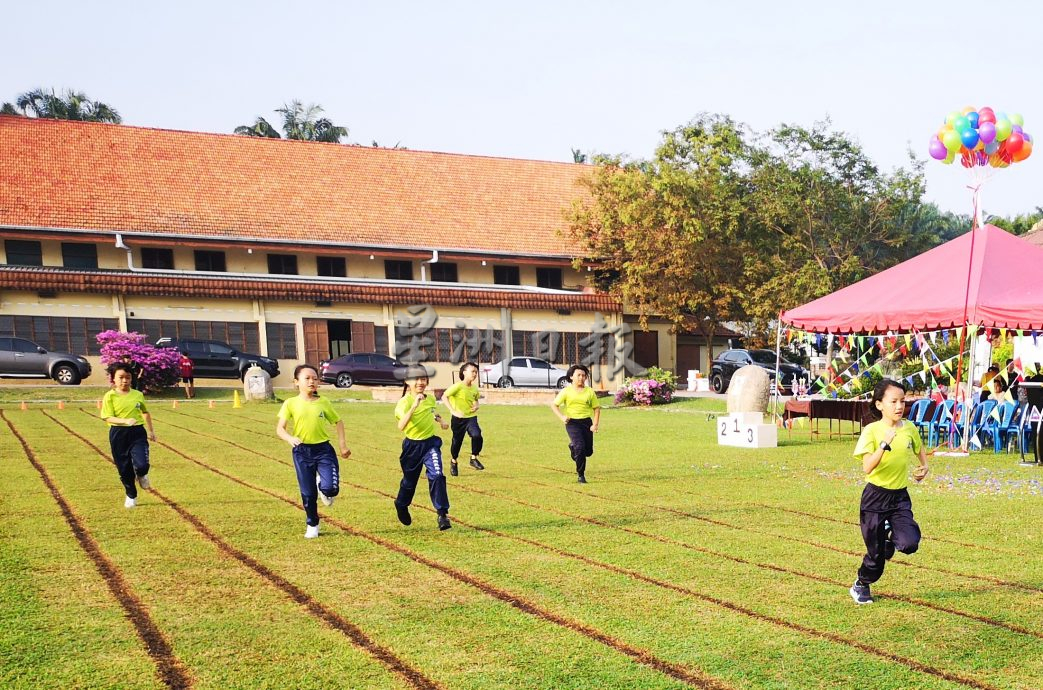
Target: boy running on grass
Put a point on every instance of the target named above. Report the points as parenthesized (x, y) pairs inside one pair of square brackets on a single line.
[(123, 408)]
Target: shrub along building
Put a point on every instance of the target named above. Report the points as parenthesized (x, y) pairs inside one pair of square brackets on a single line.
[(294, 250)]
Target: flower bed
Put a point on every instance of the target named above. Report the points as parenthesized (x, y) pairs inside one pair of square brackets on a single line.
[(656, 387)]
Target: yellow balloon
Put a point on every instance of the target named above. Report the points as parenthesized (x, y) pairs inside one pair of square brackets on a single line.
[(969, 109)]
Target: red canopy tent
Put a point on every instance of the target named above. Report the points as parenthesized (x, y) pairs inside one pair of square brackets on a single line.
[(986, 277), (1002, 289)]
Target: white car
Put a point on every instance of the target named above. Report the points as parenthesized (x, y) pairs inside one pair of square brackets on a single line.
[(524, 371)]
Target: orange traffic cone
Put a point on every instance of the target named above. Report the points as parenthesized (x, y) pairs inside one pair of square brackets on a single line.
[(236, 403), (24, 406), (61, 404), (211, 405), (174, 406)]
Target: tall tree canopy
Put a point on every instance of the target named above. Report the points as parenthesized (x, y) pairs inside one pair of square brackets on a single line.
[(69, 105), (669, 231), (298, 122), (724, 225)]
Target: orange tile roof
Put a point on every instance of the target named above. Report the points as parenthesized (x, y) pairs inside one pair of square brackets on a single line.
[(77, 175), (160, 285)]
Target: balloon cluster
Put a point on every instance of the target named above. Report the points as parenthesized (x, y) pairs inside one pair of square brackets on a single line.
[(981, 137)]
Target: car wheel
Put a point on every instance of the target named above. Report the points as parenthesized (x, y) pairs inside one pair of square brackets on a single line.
[(344, 380), (66, 375), (718, 384), (505, 382), (562, 382)]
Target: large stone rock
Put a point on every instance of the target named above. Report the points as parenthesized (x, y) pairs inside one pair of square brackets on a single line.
[(749, 390), (257, 384)]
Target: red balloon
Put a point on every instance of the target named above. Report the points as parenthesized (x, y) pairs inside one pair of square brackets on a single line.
[(986, 115), (1014, 142)]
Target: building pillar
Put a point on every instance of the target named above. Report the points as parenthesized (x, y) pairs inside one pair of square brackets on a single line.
[(507, 327), (262, 327)]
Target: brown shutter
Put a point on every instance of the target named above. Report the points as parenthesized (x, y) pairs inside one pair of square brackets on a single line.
[(316, 341), (362, 336)]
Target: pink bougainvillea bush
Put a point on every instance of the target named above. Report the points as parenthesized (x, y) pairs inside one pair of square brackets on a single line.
[(159, 365), (656, 387)]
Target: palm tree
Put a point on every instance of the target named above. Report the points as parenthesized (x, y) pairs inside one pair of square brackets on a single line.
[(299, 123), (70, 105)]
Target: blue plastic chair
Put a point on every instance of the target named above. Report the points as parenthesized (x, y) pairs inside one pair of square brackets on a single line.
[(979, 418), (918, 415), (999, 423), (1022, 428), (940, 420)]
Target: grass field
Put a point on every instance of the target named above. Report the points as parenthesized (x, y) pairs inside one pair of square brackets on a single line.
[(681, 564)]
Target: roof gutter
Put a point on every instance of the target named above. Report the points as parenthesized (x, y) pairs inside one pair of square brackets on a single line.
[(246, 241)]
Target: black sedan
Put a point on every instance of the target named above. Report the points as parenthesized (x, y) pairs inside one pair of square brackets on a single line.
[(360, 367)]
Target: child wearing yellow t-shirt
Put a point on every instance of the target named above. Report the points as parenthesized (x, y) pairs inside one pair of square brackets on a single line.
[(887, 449), (581, 415), (462, 400), (125, 411), (421, 448), (318, 470)]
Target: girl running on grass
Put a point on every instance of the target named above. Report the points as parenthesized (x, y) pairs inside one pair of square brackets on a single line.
[(125, 411), (421, 447), (582, 413), (462, 400), (318, 470), (887, 449)]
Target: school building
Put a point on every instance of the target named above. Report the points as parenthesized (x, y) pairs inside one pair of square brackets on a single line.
[(297, 250)]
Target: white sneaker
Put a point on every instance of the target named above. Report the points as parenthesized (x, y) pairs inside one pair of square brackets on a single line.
[(130, 502), (311, 532), (326, 500), (143, 482)]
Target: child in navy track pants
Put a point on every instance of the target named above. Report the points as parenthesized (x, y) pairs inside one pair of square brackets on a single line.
[(421, 448), (887, 449), (125, 411), (581, 417), (462, 400), (318, 470)]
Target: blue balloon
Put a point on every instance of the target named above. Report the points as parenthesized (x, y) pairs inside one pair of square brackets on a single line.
[(972, 117), (969, 137), (992, 147)]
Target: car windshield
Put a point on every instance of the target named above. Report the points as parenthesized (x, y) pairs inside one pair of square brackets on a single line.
[(765, 357)]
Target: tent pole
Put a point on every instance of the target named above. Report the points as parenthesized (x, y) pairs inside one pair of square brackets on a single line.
[(967, 407), (776, 394)]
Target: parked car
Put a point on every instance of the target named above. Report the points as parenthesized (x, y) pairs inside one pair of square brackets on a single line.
[(730, 361), (360, 367), (524, 371), (213, 359), (21, 358)]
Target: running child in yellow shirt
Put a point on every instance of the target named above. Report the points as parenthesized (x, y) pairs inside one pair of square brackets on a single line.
[(318, 470), (888, 449), (581, 416), (127, 416), (462, 400), (421, 448)]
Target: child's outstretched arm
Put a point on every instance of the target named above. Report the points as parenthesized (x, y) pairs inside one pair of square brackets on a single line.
[(281, 432), (597, 419), (342, 440), (148, 425), (558, 412)]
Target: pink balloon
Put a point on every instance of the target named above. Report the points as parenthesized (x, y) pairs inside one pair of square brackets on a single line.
[(937, 149), (987, 132)]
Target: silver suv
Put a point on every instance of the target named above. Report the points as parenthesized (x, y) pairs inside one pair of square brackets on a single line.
[(21, 358)]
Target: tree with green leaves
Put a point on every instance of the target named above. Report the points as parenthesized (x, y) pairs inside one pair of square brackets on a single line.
[(69, 105), (298, 122), (823, 216), (669, 232)]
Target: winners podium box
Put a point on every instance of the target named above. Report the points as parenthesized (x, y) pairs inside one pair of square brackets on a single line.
[(746, 430)]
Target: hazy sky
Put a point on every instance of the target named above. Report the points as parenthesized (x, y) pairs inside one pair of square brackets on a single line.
[(536, 79)]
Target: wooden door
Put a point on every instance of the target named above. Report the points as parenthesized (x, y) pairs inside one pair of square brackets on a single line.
[(646, 348), (316, 341), (363, 336), (688, 358)]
